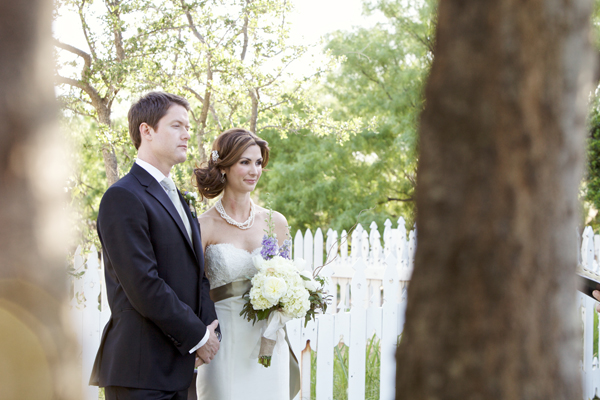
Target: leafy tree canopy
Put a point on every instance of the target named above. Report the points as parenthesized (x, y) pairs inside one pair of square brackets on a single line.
[(320, 181)]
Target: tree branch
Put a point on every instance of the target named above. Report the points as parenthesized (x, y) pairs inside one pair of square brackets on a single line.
[(113, 10), (403, 200), (201, 99), (97, 100), (73, 82), (245, 31), (254, 96), (377, 81), (186, 10), (84, 27), (87, 58)]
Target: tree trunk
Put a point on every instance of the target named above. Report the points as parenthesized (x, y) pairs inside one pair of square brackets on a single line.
[(111, 164), (254, 109), (491, 311), (204, 113), (38, 351)]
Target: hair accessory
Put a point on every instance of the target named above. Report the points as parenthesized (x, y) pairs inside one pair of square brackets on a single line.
[(215, 155)]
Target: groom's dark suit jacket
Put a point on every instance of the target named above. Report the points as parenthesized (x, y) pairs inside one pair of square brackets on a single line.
[(157, 291)]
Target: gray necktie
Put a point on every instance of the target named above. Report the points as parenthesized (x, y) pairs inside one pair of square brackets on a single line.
[(169, 186)]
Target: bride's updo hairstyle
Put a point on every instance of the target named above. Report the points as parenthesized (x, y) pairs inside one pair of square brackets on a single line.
[(230, 145)]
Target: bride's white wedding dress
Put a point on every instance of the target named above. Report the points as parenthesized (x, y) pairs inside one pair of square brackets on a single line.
[(235, 373)]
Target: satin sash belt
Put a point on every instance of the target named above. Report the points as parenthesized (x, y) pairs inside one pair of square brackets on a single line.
[(232, 289), (238, 288)]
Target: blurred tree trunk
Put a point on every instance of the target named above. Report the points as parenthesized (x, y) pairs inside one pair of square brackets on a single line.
[(491, 311), (37, 349)]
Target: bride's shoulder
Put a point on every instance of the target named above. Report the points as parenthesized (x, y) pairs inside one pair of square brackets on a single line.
[(279, 221), (208, 217), (278, 218)]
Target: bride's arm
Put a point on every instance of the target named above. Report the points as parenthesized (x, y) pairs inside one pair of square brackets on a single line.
[(281, 227), (206, 228)]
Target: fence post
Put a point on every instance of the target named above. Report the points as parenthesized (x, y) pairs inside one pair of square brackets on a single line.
[(298, 246), (344, 245), (412, 246), (356, 242), (104, 307), (375, 242), (318, 249), (389, 329), (325, 344), (401, 239), (308, 250), (366, 247), (91, 323), (331, 249), (388, 239), (356, 352)]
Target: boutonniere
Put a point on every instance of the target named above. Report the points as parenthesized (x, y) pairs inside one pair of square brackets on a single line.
[(191, 198)]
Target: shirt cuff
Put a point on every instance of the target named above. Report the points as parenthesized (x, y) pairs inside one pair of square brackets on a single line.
[(202, 342)]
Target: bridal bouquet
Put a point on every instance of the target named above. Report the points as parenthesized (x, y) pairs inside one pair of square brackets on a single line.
[(281, 290)]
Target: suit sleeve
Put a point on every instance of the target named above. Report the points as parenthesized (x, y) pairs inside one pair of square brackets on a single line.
[(208, 313), (124, 230)]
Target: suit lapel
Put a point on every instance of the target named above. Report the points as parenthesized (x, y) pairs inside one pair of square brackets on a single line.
[(156, 190), (195, 232)]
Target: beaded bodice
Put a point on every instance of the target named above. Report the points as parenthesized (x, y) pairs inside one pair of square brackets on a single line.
[(225, 263)]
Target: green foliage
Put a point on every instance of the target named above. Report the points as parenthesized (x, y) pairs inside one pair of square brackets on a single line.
[(318, 300), (340, 371), (326, 182), (595, 336), (592, 181), (320, 182), (329, 167), (87, 178), (252, 315)]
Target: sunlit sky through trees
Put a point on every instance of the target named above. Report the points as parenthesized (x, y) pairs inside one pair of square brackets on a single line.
[(310, 21)]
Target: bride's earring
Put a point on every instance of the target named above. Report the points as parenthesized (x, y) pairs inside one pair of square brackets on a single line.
[(223, 177)]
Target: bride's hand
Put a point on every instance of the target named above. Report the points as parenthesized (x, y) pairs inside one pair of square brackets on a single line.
[(198, 362), (206, 353)]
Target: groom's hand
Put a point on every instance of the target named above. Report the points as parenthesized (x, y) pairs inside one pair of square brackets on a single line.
[(206, 353)]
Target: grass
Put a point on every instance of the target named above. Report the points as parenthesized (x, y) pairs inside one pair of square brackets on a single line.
[(595, 335), (340, 371)]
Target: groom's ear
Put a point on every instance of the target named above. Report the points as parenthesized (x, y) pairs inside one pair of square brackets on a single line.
[(145, 131)]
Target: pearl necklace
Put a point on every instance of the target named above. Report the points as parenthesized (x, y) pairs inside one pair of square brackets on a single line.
[(242, 225)]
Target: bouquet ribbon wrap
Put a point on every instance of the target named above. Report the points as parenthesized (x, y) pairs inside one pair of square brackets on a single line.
[(273, 333), (235, 289)]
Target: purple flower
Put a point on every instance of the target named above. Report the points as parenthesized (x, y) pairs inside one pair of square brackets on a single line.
[(286, 249), (269, 247)]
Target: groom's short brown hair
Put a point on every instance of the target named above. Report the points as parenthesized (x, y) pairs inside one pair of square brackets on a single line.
[(150, 109)]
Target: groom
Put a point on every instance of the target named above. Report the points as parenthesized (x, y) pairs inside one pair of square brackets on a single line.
[(162, 318)]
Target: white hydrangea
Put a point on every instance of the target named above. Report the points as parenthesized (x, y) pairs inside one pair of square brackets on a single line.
[(278, 282), (273, 288), (297, 304), (259, 302)]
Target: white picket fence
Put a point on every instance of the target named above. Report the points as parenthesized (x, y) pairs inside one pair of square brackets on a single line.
[(590, 368), (368, 278)]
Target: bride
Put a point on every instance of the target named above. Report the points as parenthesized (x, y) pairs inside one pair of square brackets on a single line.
[(232, 232)]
